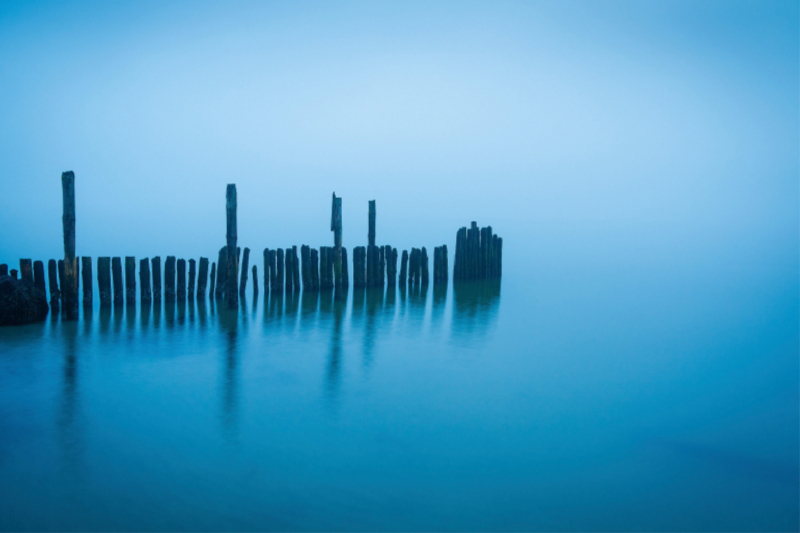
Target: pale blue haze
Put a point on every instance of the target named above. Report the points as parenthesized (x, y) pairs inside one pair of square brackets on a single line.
[(638, 370)]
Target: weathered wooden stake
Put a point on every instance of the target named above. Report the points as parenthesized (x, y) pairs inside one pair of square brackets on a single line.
[(169, 279), (155, 263), (231, 237), (255, 281), (61, 280), (116, 274), (69, 288), (130, 280), (181, 291), (4, 269), (213, 279), (103, 280), (202, 278), (295, 270), (222, 270), (145, 292), (245, 271), (86, 272), (52, 278), (336, 228), (288, 269), (279, 265), (14, 273), (38, 276), (345, 273), (26, 269), (273, 270), (404, 269), (372, 215), (192, 275), (266, 270), (314, 269), (424, 265)]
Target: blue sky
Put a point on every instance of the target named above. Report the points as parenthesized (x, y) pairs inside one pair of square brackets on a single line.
[(676, 117)]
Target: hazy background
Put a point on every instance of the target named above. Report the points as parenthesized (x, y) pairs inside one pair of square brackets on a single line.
[(656, 130)]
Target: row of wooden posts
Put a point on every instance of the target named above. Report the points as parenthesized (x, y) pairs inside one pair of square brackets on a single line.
[(478, 255)]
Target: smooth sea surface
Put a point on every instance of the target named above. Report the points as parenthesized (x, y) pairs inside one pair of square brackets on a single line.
[(594, 388)]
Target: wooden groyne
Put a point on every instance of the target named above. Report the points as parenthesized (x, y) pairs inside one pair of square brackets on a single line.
[(478, 255)]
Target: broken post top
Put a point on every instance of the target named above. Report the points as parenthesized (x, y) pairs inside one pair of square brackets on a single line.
[(230, 210), (371, 235), (336, 220)]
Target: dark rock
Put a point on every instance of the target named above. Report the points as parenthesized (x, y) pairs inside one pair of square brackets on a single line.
[(21, 302)]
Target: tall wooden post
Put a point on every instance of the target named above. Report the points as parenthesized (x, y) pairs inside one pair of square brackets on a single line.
[(86, 272), (38, 276), (155, 263), (273, 270), (372, 215), (266, 270), (130, 280), (145, 293), (61, 280), (4, 269), (345, 273), (231, 237), (104, 280), (288, 269), (336, 228), (245, 268), (116, 274), (424, 265), (69, 288), (305, 258), (403, 268)]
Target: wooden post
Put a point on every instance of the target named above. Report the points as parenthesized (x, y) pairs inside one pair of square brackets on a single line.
[(436, 264), (169, 279), (288, 270), (130, 280), (145, 293), (372, 214), (424, 265), (404, 268), (314, 269), (103, 280), (181, 291), (38, 276), (245, 270), (444, 272), (14, 273), (4, 269), (295, 270), (222, 270), (336, 228), (266, 270), (192, 275), (231, 237), (279, 264), (345, 272), (212, 282), (86, 272), (323, 267), (305, 259), (499, 257), (61, 280), (202, 278), (273, 270), (255, 281), (52, 275), (116, 272), (155, 263), (26, 269), (69, 288)]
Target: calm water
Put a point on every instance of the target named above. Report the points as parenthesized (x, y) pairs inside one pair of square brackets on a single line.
[(581, 394)]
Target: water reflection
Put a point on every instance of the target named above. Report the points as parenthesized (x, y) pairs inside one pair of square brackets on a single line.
[(229, 323), (68, 432), (475, 305), (335, 353)]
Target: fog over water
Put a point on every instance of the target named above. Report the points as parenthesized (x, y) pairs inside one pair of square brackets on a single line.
[(638, 369)]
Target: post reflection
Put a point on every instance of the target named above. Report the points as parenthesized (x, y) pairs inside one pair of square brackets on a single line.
[(374, 304), (475, 305), (68, 431), (229, 323), (339, 304)]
